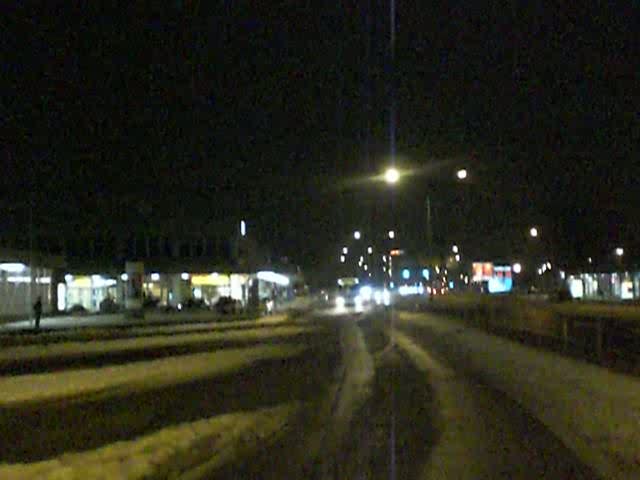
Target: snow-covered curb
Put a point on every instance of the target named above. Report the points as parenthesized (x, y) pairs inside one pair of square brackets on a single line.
[(135, 344), (139, 376), (594, 411), (182, 451)]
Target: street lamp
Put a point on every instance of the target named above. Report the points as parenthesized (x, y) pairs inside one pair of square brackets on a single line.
[(345, 250), (619, 251), (391, 176), (342, 259), (357, 235), (462, 174), (370, 250), (533, 232), (455, 249), (392, 234), (517, 268)]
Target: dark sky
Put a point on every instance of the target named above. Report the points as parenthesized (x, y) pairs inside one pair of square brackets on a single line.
[(276, 111)]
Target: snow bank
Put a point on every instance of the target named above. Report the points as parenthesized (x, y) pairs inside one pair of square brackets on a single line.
[(132, 344), (137, 376), (184, 450), (595, 412)]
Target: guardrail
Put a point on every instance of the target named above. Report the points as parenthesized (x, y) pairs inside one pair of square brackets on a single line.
[(605, 333)]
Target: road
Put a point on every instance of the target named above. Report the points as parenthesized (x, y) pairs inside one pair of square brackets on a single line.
[(320, 396)]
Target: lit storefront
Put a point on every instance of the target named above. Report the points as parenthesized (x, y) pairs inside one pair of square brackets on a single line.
[(87, 291), (20, 286), (605, 286)]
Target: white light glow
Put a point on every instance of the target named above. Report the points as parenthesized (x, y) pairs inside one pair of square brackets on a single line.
[(533, 232), (455, 249), (343, 259), (425, 273), (462, 173), (366, 292), (619, 251), (273, 277), (366, 268), (124, 277), (517, 268), (549, 265), (392, 175), (69, 278), (406, 273), (457, 257), (155, 277), (340, 302), (345, 250), (62, 296), (184, 276), (243, 228), (370, 250), (19, 279), (392, 234), (13, 267), (357, 235)]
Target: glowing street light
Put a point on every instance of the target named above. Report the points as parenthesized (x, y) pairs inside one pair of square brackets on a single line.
[(370, 250), (462, 174), (619, 251), (343, 259), (457, 257), (533, 232), (517, 268), (455, 249), (357, 235), (392, 234), (243, 228), (391, 176)]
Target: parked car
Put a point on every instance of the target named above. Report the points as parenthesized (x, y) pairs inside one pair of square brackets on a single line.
[(108, 305), (227, 305), (77, 309)]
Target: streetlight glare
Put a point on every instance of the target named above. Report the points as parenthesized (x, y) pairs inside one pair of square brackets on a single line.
[(370, 250), (392, 234), (357, 235), (342, 259), (517, 268), (533, 232), (345, 250), (619, 251), (455, 249), (392, 175), (462, 174)]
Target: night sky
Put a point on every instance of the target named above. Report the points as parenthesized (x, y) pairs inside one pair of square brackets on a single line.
[(278, 112)]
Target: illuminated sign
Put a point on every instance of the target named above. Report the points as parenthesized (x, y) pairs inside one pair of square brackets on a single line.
[(210, 279)]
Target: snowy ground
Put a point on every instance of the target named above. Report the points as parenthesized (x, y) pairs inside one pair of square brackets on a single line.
[(595, 412), (184, 451), (146, 342)]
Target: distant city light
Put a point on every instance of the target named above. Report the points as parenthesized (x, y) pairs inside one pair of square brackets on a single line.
[(184, 276), (384, 258), (425, 273), (357, 235), (619, 251), (549, 265), (406, 274), (124, 277), (392, 234), (457, 257), (590, 260), (455, 249), (462, 173), (343, 259), (345, 250), (392, 175), (533, 232), (517, 268), (365, 267), (370, 250), (155, 277), (243, 228)]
